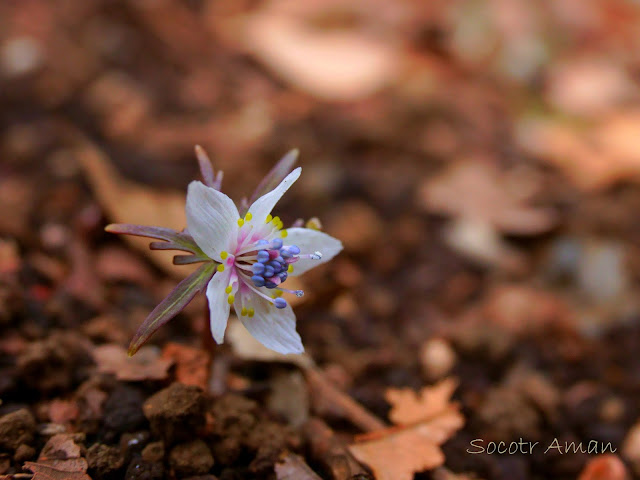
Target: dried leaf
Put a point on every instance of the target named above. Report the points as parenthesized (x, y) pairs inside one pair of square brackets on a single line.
[(192, 364), (147, 365), (594, 158), (605, 467), (489, 196), (293, 467), (125, 201), (172, 304), (59, 460), (409, 408), (347, 64), (74, 469), (398, 453)]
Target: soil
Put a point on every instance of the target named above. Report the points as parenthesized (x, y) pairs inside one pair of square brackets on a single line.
[(475, 246)]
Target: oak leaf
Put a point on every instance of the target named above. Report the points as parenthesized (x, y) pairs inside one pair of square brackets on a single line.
[(424, 422)]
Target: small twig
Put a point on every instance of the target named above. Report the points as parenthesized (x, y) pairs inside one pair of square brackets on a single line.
[(329, 451), (349, 408)]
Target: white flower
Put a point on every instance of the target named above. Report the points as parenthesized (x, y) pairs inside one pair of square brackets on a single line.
[(256, 255)]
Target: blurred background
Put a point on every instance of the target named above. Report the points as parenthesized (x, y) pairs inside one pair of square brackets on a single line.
[(479, 160)]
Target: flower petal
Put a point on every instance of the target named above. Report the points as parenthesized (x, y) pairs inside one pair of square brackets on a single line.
[(212, 219), (218, 304), (263, 206), (310, 241), (274, 327)]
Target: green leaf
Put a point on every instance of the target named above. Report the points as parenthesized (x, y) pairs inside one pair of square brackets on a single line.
[(172, 305)]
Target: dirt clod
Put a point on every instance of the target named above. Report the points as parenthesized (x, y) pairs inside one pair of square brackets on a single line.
[(176, 412), (16, 428), (105, 462), (193, 458)]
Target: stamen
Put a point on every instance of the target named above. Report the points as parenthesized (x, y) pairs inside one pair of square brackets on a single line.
[(251, 312), (248, 217), (220, 268), (297, 293), (284, 234), (240, 222), (224, 255), (263, 256), (230, 299), (243, 312), (280, 303), (290, 269), (268, 219), (228, 289), (258, 281)]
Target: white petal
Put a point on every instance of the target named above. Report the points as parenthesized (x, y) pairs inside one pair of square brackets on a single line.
[(274, 327), (263, 206), (211, 219), (218, 304), (311, 241)]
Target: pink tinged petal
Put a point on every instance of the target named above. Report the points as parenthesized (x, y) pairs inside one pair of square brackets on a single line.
[(212, 219), (274, 327), (311, 241), (276, 175), (263, 206), (170, 306), (218, 304)]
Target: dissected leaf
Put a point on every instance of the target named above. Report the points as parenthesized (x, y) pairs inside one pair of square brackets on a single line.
[(427, 421), (174, 303), (147, 365), (489, 196)]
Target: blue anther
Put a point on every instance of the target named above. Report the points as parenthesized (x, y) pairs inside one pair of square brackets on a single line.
[(268, 271), (258, 281), (277, 267), (258, 268), (294, 250), (262, 242), (276, 243), (270, 284), (279, 259), (280, 302), (263, 256), (283, 276), (285, 253)]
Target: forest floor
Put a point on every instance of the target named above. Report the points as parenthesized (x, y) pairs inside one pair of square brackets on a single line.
[(480, 164)]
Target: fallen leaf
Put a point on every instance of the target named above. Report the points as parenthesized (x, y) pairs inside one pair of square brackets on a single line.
[(127, 202), (293, 467), (348, 63), (594, 157), (145, 365), (604, 467), (60, 459), (408, 407), (63, 411), (490, 196), (192, 364), (425, 422)]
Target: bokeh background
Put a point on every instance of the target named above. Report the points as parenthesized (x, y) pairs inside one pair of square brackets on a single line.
[(479, 160)]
